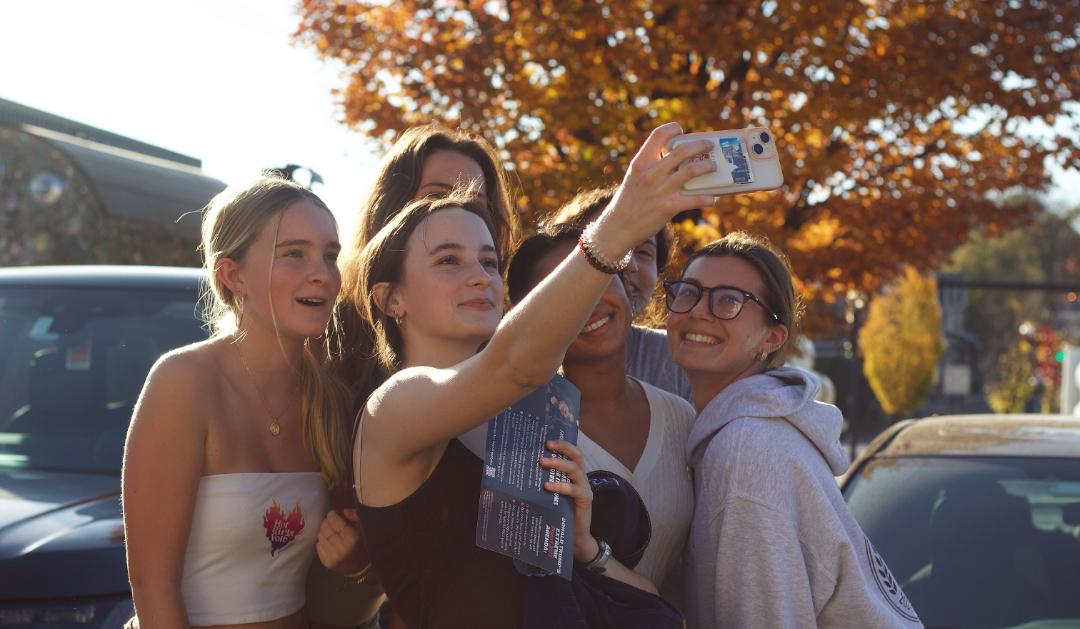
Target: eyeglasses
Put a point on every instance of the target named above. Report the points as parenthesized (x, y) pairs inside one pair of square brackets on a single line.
[(725, 302)]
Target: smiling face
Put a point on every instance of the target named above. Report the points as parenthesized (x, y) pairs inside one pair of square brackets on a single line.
[(451, 287), (605, 331), (443, 170), (715, 352), (289, 276)]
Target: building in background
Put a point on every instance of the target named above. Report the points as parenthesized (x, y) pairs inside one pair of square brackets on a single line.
[(74, 194)]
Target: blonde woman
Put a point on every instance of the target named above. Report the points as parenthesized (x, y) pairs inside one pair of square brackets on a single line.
[(236, 439)]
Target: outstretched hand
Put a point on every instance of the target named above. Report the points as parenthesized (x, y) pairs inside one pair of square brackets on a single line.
[(651, 192)]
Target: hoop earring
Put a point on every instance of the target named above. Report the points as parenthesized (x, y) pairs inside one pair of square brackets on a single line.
[(398, 320)]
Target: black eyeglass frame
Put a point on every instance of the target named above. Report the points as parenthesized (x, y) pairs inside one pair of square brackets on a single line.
[(710, 290)]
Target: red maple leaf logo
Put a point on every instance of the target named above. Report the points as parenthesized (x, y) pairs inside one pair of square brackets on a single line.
[(282, 529)]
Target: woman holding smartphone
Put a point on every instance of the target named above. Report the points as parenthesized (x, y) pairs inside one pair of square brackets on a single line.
[(426, 160), (430, 288)]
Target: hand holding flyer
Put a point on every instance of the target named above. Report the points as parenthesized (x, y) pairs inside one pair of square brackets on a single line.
[(517, 517)]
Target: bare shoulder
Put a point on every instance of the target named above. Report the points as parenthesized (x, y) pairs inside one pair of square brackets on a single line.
[(402, 389), (182, 383)]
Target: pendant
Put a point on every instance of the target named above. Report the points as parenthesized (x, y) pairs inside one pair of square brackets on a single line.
[(275, 429)]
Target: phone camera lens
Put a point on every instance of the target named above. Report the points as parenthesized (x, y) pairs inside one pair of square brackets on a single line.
[(759, 149), (764, 137)]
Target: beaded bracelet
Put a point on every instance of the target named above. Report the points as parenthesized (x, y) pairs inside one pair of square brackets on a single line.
[(597, 261)]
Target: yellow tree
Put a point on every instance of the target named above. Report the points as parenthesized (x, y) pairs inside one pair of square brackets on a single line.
[(1014, 380), (901, 342), (894, 117)]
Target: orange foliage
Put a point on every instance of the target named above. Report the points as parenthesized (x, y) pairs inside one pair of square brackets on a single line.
[(895, 118)]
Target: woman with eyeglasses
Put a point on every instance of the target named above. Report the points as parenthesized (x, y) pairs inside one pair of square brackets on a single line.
[(772, 543)]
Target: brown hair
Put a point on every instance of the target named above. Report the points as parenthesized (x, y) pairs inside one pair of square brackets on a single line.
[(231, 223), (775, 272), (587, 205), (519, 273), (383, 260), (395, 186)]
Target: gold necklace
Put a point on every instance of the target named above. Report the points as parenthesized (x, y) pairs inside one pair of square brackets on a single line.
[(275, 427)]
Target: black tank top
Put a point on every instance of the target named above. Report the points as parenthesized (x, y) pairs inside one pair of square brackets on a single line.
[(424, 551)]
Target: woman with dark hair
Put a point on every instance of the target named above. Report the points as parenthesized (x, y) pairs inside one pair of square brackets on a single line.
[(426, 160), (772, 543), (648, 357), (626, 426), (430, 288)]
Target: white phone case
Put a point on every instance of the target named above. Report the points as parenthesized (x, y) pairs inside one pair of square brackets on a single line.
[(746, 161)]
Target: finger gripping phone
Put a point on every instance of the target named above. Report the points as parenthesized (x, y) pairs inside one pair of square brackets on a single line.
[(746, 161)]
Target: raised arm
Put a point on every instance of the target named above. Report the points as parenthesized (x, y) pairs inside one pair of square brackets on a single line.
[(163, 460), (422, 407)]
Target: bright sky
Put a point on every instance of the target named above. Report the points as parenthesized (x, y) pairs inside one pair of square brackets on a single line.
[(217, 80)]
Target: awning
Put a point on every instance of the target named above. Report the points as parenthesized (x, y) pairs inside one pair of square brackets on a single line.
[(137, 186)]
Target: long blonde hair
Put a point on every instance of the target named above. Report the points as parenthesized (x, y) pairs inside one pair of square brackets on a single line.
[(232, 221)]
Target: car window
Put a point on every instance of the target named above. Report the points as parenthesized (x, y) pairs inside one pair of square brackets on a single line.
[(976, 542), (72, 364)]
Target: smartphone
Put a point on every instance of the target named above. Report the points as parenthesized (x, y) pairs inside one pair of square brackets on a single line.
[(746, 161)]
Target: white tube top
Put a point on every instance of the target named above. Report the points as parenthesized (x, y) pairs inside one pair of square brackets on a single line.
[(252, 540)]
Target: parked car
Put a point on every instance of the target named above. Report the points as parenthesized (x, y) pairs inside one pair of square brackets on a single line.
[(977, 516), (76, 344)]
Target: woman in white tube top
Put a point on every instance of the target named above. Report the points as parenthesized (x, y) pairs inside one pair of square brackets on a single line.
[(235, 440)]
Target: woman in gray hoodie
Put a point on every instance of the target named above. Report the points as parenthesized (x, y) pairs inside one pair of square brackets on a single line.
[(772, 543)]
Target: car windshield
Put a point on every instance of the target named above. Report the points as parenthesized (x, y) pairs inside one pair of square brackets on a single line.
[(72, 363), (977, 542)]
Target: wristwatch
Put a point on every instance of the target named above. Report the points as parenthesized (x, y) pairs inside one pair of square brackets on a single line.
[(600, 560)]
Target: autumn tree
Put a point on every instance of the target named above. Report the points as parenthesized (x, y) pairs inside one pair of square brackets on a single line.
[(894, 117), (901, 342), (1045, 250)]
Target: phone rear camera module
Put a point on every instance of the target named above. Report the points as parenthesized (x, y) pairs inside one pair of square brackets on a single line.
[(759, 149), (765, 137)]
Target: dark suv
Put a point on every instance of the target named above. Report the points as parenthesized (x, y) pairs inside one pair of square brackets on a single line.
[(75, 346)]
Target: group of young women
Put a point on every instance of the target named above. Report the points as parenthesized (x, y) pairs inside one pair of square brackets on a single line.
[(338, 411)]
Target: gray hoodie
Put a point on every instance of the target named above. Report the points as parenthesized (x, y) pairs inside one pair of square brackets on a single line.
[(772, 543)]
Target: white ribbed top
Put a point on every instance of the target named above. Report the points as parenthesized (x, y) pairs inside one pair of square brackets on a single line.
[(661, 477)]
